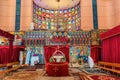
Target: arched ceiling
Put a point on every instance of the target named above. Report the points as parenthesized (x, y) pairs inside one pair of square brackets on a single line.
[(56, 4)]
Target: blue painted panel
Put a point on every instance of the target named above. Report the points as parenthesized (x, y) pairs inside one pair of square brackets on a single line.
[(95, 16), (17, 21)]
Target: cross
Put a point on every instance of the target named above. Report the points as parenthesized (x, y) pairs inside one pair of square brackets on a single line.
[(55, 69)]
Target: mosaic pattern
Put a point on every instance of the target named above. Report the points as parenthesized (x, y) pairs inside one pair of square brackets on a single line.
[(68, 19), (38, 38)]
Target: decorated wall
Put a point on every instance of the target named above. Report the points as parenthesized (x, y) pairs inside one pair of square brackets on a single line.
[(108, 14), (37, 38)]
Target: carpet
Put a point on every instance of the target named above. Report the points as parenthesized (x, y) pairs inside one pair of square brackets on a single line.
[(35, 75), (24, 75), (75, 74), (102, 77)]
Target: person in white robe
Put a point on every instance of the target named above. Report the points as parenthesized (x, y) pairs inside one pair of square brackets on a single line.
[(90, 62)]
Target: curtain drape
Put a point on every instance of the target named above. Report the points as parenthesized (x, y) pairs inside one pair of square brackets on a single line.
[(111, 45), (10, 50), (49, 50), (96, 53), (111, 49), (65, 50), (7, 57), (4, 55), (16, 53)]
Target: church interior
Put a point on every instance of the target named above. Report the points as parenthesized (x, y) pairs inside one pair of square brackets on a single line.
[(59, 40)]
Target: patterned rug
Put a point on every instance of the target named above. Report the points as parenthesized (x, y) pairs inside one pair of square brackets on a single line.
[(102, 77), (75, 74), (35, 75), (25, 75)]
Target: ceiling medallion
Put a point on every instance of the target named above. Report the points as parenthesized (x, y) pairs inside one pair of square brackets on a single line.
[(58, 0)]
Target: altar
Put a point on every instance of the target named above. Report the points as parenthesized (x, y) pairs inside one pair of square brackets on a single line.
[(57, 69), (57, 59)]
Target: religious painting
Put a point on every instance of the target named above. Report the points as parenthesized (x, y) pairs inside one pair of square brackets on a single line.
[(4, 41), (34, 55), (19, 38), (79, 54)]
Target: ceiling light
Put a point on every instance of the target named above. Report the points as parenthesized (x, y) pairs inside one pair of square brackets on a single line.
[(58, 0)]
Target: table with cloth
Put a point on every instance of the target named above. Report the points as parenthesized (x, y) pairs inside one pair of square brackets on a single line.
[(57, 69), (57, 59)]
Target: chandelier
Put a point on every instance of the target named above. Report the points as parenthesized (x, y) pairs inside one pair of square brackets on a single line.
[(58, 0)]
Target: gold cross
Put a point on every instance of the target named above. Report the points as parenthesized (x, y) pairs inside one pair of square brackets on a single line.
[(55, 69)]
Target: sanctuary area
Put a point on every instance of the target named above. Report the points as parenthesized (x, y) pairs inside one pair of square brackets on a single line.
[(59, 40)]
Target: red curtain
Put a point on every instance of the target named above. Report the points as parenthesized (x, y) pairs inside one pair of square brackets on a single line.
[(65, 50), (10, 50), (7, 57), (1, 55), (4, 57), (111, 49), (5, 52), (96, 53), (16, 53), (106, 52), (49, 50), (111, 45)]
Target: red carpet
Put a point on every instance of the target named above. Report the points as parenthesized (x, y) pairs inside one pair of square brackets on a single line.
[(102, 77)]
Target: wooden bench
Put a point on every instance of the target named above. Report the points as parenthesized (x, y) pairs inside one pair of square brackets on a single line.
[(9, 69), (111, 67), (13, 63), (8, 64), (2, 65)]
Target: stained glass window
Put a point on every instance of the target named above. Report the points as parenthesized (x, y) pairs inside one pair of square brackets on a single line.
[(68, 18)]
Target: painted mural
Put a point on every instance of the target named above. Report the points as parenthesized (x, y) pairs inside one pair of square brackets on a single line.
[(79, 54), (4, 41), (19, 38)]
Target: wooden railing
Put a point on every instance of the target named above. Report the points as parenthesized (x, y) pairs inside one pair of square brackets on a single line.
[(10, 67), (111, 67)]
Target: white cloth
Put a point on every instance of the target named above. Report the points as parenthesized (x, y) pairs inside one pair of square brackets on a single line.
[(21, 57), (34, 59), (90, 62), (28, 57), (58, 58)]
